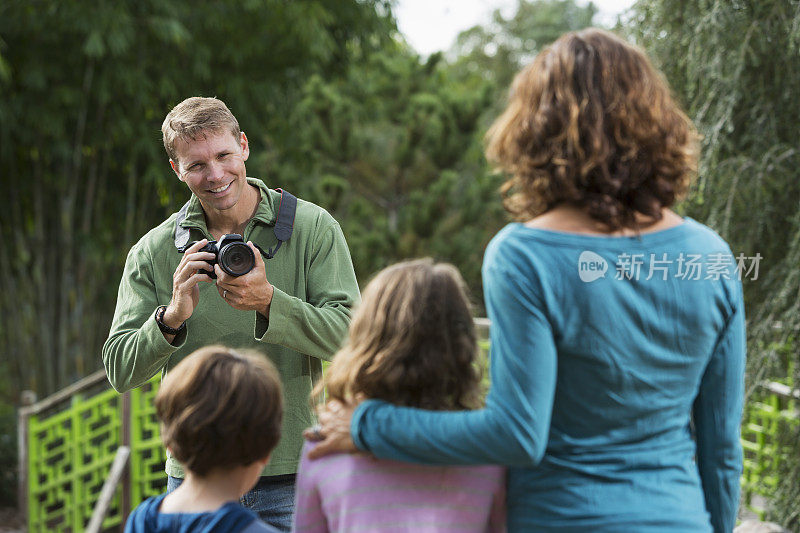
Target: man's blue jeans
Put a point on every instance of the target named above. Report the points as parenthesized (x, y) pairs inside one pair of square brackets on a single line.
[(272, 499)]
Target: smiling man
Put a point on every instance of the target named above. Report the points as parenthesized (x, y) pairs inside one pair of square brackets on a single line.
[(295, 307)]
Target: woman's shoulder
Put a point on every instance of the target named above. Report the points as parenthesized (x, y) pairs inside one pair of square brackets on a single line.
[(704, 235), (513, 239), (517, 238)]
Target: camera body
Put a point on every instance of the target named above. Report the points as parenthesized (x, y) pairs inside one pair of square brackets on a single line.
[(231, 253)]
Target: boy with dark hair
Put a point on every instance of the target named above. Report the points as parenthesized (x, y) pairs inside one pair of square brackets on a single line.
[(205, 407)]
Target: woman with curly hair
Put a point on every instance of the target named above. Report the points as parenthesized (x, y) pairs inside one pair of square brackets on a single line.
[(617, 336)]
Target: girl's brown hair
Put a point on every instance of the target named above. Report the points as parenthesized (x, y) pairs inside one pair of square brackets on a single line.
[(591, 123), (412, 341), (220, 408)]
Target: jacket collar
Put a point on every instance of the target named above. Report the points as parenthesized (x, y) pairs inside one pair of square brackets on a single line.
[(265, 214)]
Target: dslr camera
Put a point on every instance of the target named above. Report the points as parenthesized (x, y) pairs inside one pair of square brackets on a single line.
[(231, 253)]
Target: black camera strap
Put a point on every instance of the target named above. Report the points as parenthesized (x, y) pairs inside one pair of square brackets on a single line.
[(284, 224)]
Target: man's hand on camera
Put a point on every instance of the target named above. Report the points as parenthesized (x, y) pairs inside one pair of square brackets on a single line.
[(185, 292), (251, 292)]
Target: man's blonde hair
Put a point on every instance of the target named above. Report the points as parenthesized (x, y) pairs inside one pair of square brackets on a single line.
[(195, 116)]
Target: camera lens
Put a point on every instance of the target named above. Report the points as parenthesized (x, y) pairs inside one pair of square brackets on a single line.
[(236, 259)]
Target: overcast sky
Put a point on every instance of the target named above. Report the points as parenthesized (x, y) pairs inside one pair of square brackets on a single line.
[(432, 25)]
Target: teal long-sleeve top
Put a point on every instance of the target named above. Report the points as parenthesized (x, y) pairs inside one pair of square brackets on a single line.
[(617, 377)]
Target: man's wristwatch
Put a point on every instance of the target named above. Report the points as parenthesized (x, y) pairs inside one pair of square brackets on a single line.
[(160, 310)]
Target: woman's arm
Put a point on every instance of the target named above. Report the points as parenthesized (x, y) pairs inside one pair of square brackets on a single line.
[(717, 418)]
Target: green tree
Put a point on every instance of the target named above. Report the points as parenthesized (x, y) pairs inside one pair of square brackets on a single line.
[(384, 148), (496, 51), (395, 147)]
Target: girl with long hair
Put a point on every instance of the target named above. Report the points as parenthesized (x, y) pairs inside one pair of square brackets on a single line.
[(411, 343)]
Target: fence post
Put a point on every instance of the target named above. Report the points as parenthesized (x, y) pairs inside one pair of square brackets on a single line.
[(118, 467), (126, 442), (22, 464), (27, 398)]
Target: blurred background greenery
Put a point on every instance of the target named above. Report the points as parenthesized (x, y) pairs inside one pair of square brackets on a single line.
[(341, 111)]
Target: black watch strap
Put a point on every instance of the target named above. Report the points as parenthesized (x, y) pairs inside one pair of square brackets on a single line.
[(160, 310)]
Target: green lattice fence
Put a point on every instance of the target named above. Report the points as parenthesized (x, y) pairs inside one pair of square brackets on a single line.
[(71, 442), (773, 410), (68, 442), (147, 452)]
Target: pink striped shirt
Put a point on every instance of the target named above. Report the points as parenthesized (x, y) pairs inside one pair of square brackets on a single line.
[(347, 492)]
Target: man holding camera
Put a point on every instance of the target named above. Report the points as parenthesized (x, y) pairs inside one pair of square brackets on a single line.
[(295, 307)]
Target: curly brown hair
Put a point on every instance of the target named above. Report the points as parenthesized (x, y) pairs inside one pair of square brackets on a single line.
[(591, 123), (412, 341), (220, 408)]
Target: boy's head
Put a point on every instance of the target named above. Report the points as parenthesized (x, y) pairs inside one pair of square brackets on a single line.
[(220, 408)]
